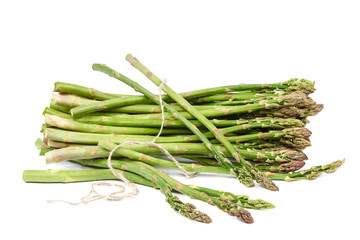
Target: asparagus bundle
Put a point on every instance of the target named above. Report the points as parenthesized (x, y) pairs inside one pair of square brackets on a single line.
[(252, 131)]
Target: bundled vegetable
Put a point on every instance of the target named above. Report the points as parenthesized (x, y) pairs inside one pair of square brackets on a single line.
[(255, 132)]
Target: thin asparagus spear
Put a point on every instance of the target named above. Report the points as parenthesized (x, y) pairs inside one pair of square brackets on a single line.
[(308, 174), (81, 106), (293, 84), (256, 174), (94, 138)]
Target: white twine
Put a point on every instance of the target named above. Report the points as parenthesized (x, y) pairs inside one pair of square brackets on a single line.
[(121, 193)]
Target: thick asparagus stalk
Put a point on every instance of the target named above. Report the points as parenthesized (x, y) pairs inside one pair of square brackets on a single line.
[(69, 124), (70, 176)]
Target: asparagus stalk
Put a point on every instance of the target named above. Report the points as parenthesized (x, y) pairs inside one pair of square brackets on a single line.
[(260, 122), (190, 150), (106, 104), (69, 88), (78, 103), (308, 174), (69, 124), (295, 137), (293, 84)]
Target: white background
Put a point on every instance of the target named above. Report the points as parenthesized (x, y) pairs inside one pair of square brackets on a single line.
[(193, 44)]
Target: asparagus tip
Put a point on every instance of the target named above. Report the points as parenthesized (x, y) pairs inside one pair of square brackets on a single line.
[(290, 166), (304, 85), (260, 204), (188, 210), (243, 215), (297, 132), (332, 167)]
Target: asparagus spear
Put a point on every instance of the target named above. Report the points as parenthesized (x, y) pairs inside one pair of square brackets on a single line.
[(73, 102), (69, 124), (308, 174), (187, 150), (106, 104), (82, 91), (293, 84), (259, 122)]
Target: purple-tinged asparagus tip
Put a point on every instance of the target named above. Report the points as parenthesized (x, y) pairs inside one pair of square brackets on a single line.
[(315, 109), (290, 166), (297, 132), (243, 215)]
